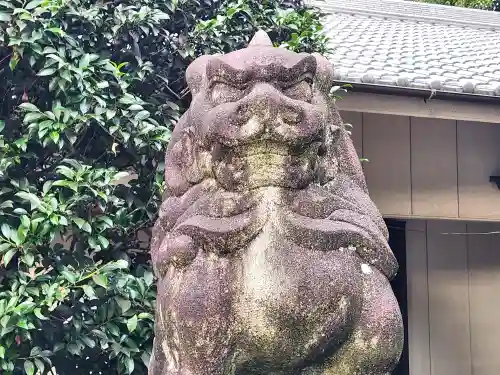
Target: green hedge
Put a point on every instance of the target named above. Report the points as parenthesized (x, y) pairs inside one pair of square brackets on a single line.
[(478, 4), (89, 93)]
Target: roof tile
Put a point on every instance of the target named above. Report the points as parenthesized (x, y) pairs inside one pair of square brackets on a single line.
[(412, 44)]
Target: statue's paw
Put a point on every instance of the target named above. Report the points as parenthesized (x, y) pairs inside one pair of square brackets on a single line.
[(375, 345)]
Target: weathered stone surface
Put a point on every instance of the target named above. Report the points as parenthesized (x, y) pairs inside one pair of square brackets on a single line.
[(271, 257)]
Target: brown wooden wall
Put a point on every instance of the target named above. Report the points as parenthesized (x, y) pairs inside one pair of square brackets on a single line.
[(453, 297), (429, 168)]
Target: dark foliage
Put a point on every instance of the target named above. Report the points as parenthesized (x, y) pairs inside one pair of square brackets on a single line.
[(89, 92)]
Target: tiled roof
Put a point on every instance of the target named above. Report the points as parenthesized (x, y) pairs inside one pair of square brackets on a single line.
[(416, 45)]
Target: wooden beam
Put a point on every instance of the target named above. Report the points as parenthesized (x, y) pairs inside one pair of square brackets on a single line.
[(444, 218), (417, 107)]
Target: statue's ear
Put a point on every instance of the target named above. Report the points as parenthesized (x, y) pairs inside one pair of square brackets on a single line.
[(193, 166), (182, 163), (348, 159), (196, 73), (341, 147), (324, 73)]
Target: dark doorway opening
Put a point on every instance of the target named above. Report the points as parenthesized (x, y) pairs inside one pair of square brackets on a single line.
[(397, 242)]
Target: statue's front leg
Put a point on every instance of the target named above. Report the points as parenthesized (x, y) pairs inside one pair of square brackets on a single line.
[(194, 319), (376, 343)]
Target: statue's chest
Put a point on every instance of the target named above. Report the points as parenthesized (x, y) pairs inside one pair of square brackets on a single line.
[(285, 294)]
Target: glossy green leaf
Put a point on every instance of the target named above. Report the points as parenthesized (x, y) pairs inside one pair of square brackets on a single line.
[(84, 61), (110, 113), (39, 315), (39, 365), (101, 280), (8, 256), (148, 278), (35, 351), (124, 304), (29, 259), (29, 107), (135, 107), (46, 72), (87, 228), (32, 117), (79, 222), (103, 85), (5, 17), (132, 323), (88, 341), (69, 275), (130, 365), (33, 199), (89, 292), (29, 367), (6, 230), (33, 4), (142, 115), (103, 241)]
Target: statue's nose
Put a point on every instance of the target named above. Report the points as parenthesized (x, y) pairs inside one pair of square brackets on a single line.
[(267, 108)]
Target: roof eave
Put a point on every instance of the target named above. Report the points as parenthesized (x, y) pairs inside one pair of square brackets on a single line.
[(425, 94)]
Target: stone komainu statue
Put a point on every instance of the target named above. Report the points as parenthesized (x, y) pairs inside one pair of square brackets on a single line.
[(271, 257)]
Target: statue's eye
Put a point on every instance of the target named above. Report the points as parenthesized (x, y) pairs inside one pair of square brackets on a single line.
[(226, 93), (301, 90)]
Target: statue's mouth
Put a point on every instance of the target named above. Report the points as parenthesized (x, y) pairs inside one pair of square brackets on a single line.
[(273, 147), (265, 163)]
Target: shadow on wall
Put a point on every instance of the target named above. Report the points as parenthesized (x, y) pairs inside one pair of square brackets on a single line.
[(397, 242)]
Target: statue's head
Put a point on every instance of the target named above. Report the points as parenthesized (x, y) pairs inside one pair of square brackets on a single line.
[(259, 117), (262, 117)]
